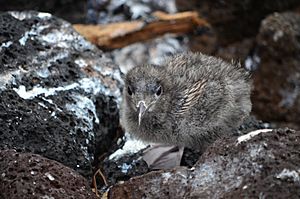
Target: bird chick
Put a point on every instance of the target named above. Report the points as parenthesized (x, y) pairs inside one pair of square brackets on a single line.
[(189, 101)]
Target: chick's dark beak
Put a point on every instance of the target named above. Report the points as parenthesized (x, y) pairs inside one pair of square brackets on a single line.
[(142, 109)]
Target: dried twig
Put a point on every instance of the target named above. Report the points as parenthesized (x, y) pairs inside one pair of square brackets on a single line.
[(98, 172), (117, 35)]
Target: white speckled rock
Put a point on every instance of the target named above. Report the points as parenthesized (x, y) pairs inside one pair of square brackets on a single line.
[(59, 93)]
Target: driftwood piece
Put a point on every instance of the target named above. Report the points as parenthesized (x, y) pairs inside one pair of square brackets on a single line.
[(118, 35)]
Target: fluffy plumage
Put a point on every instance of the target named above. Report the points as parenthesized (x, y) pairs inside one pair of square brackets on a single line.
[(190, 100)]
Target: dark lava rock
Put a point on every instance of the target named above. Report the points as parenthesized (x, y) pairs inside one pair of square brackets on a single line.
[(73, 11), (30, 176), (276, 94), (264, 166), (122, 166), (234, 20), (59, 93)]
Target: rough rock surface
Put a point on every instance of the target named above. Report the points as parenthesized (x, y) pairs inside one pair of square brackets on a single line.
[(124, 168), (265, 166), (128, 162), (59, 94), (73, 11), (276, 95), (30, 176), (234, 20)]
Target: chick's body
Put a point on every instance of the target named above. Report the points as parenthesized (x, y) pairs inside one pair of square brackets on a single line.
[(190, 100)]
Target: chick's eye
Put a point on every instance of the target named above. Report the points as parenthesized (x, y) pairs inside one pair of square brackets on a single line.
[(158, 91), (129, 91)]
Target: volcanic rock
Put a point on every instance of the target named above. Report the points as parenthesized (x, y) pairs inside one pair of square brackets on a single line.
[(263, 166), (59, 93), (234, 20), (276, 95), (73, 11), (29, 176)]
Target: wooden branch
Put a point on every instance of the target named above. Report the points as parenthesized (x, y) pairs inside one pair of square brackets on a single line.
[(118, 35)]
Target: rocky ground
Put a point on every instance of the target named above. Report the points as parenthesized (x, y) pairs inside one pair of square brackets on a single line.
[(60, 95), (265, 166)]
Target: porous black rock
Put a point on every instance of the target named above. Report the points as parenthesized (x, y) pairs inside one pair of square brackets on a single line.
[(26, 175), (59, 93), (73, 11), (264, 165)]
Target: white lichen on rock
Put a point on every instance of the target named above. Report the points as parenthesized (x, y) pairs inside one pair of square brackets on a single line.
[(131, 146), (289, 174)]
